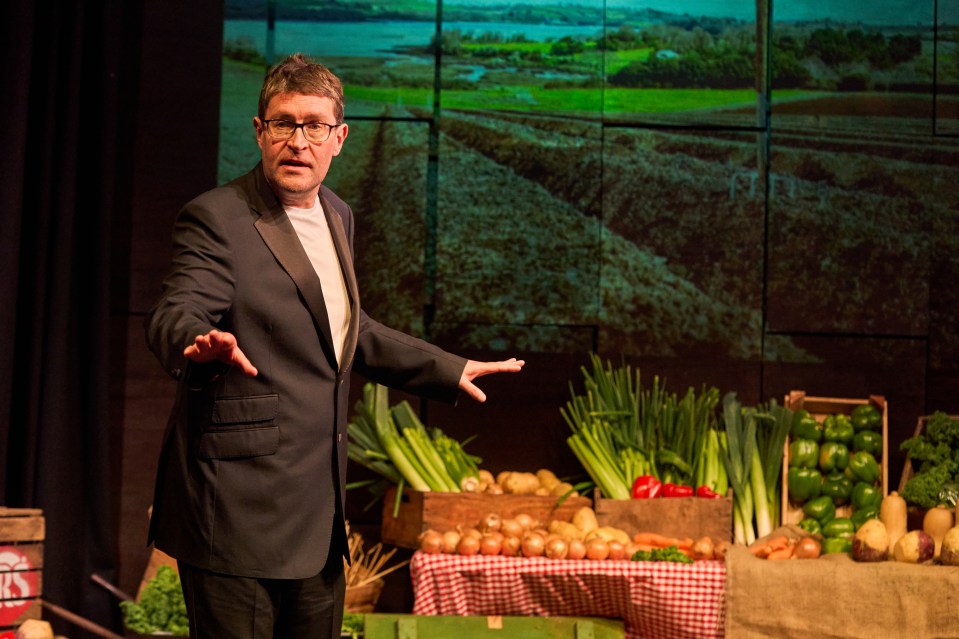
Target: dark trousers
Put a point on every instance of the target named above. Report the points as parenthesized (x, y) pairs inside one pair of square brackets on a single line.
[(227, 607)]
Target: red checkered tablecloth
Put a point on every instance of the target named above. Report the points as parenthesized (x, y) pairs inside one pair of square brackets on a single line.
[(656, 600)]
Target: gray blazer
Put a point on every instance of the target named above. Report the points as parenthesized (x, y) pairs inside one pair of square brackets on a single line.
[(252, 470)]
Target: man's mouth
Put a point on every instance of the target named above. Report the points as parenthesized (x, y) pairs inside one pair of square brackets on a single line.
[(294, 163)]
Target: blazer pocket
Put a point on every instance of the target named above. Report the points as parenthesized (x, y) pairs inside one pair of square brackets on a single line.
[(245, 410), (242, 428), (236, 443)]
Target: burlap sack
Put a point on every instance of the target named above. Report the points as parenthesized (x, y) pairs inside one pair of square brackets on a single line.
[(836, 597)]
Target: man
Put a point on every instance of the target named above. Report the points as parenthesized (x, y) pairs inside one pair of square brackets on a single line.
[(260, 321)]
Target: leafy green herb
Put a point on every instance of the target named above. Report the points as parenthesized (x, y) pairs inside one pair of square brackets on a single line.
[(161, 607), (669, 553)]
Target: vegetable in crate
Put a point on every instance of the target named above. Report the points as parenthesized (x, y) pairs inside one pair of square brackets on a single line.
[(805, 426), (865, 495), (864, 467), (866, 417), (868, 441), (804, 483), (822, 508), (803, 453), (833, 456), (646, 487), (838, 428), (837, 486), (934, 455)]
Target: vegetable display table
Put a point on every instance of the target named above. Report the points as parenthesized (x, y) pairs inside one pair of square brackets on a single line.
[(656, 600)]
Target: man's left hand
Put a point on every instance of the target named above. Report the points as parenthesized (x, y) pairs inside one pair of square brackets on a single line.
[(476, 369)]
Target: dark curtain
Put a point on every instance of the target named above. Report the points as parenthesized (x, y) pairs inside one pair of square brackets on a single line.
[(67, 116)]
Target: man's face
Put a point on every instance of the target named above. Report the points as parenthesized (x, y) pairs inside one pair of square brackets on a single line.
[(296, 167)]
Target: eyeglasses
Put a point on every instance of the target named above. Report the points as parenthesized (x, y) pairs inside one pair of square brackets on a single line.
[(315, 132)]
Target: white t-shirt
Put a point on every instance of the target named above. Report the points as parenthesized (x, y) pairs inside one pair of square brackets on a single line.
[(314, 234)]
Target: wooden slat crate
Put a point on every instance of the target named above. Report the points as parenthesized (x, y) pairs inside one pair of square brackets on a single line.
[(421, 511), (679, 517), (22, 531), (820, 407)]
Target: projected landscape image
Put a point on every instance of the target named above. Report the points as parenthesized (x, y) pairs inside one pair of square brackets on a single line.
[(640, 177)]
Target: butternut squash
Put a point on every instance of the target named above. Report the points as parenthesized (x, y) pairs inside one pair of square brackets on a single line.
[(936, 523), (892, 513)]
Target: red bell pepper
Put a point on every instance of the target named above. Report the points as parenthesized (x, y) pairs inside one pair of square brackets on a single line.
[(707, 492), (677, 490), (646, 487)]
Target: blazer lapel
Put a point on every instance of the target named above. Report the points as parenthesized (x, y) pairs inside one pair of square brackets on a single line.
[(277, 232), (345, 256)]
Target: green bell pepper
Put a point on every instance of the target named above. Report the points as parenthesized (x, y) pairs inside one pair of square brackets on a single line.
[(863, 515), (837, 486), (865, 495), (803, 483), (866, 417), (839, 527), (838, 428), (821, 508), (864, 467), (836, 545), (803, 453), (868, 441), (805, 426), (810, 525), (833, 456)]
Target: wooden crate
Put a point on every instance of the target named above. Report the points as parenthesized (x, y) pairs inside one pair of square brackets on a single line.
[(22, 532), (675, 516), (392, 626), (420, 511), (820, 407)]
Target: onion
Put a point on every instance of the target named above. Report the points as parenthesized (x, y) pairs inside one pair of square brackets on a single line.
[(490, 523), (556, 548), (525, 521), (511, 528), (472, 532), (616, 549), (533, 545), (702, 548), (450, 539), (511, 546), (807, 548), (597, 549), (431, 542), (577, 549), (491, 545), (468, 545)]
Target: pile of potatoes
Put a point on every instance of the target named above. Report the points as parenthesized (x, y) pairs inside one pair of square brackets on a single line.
[(542, 482)]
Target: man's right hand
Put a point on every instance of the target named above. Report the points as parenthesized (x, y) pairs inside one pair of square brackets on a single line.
[(218, 345)]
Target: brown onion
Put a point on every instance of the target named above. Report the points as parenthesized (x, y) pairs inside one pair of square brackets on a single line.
[(450, 539), (490, 523), (557, 548), (533, 545), (597, 549), (616, 549), (577, 549), (807, 548), (490, 545), (511, 528), (525, 521), (511, 546), (468, 545), (431, 542)]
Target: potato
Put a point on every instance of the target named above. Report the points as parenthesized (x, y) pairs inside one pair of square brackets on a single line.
[(949, 553), (871, 542), (916, 546)]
